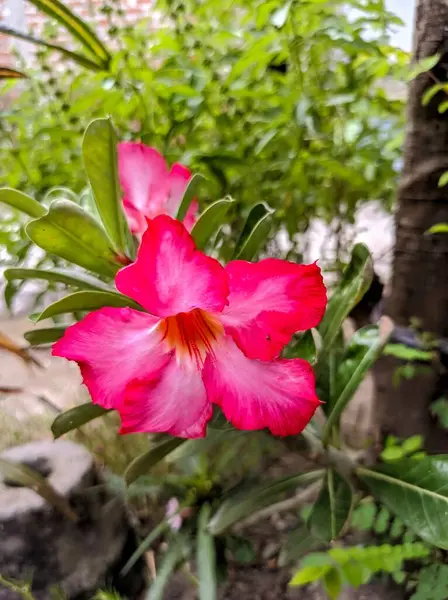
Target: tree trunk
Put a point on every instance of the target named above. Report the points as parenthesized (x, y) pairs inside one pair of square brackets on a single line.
[(420, 278)]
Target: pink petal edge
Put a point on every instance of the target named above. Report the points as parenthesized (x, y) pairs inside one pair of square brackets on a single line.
[(279, 395), (269, 301)]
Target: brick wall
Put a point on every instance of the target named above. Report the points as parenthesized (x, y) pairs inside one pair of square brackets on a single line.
[(24, 16)]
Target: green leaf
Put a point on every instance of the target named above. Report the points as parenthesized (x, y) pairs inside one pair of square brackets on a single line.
[(99, 148), (7, 73), (332, 508), (407, 353), (22, 202), (210, 220), (26, 476), (255, 232), (145, 545), (85, 301), (79, 29), (143, 463), (69, 232), (354, 573), (76, 417), (417, 492), (310, 574), (74, 56), (298, 543), (363, 350), (36, 337), (438, 228), (354, 283), (241, 503), (189, 194), (422, 66), (71, 278), (430, 93), (177, 552), (439, 408), (303, 347), (333, 583), (206, 557)]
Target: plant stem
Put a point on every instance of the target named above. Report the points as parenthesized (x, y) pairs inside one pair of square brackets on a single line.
[(22, 590)]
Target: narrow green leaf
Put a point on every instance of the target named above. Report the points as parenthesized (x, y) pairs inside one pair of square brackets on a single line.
[(310, 574), (72, 278), (84, 301), (438, 228), (332, 509), (189, 195), (99, 148), (245, 501), (255, 232), (7, 73), (407, 353), (26, 476), (417, 492), (354, 283), (22, 202), (362, 352), (36, 337), (298, 543), (206, 557), (210, 220), (144, 546), (79, 29), (177, 553), (76, 417), (69, 232), (143, 463), (333, 583), (443, 181), (74, 56)]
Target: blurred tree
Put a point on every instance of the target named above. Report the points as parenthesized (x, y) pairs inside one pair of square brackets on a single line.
[(420, 284)]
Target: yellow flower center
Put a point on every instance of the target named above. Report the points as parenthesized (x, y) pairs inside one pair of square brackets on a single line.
[(191, 334)]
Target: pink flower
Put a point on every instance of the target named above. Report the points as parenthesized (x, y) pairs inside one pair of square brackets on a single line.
[(173, 514), (149, 188), (212, 335)]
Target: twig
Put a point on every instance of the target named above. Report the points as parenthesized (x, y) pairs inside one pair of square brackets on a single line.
[(300, 499)]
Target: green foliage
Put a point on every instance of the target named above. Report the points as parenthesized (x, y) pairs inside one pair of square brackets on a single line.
[(251, 96), (407, 353), (332, 509), (416, 491), (355, 565), (247, 499), (432, 583), (396, 449), (439, 408)]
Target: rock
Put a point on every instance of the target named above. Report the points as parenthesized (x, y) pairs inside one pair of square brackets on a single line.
[(38, 541)]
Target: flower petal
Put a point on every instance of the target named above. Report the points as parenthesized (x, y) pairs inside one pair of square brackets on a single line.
[(113, 346), (143, 174), (253, 394), (269, 301), (171, 275), (177, 184), (173, 402)]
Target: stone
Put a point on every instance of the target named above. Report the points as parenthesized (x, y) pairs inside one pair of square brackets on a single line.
[(39, 542)]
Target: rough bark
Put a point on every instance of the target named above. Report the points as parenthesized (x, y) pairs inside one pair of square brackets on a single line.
[(420, 278)]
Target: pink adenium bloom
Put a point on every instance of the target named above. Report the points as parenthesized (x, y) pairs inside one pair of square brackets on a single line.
[(149, 188), (211, 335)]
